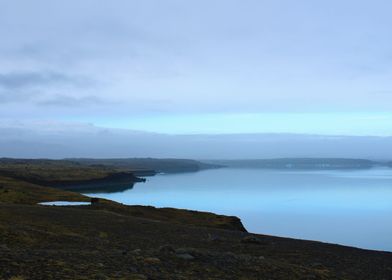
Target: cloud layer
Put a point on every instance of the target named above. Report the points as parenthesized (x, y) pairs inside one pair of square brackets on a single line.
[(62, 140), (92, 59)]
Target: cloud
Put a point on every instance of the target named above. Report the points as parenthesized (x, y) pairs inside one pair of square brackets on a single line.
[(26, 86), (160, 58), (68, 101), (23, 80), (66, 139), (14, 96)]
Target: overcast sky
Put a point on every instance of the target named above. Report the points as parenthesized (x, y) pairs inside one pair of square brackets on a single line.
[(205, 66)]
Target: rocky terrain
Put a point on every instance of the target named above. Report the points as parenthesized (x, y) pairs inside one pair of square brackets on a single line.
[(108, 240)]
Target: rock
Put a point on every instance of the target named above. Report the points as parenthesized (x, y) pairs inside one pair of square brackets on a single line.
[(187, 253), (136, 252), (214, 238), (100, 276), (190, 251), (244, 257), (317, 265), (137, 277), (185, 256), (261, 258), (310, 277), (251, 240), (4, 247), (94, 200), (152, 260), (166, 249), (230, 255)]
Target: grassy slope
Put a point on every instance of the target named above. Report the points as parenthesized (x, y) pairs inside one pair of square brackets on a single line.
[(17, 191), (51, 170), (20, 192), (74, 243)]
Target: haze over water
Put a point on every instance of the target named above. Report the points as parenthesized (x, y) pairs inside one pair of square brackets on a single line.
[(345, 207)]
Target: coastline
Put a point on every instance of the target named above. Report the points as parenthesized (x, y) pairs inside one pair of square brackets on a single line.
[(109, 240)]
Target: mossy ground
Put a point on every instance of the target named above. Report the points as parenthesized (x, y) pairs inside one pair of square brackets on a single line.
[(18, 191), (51, 170)]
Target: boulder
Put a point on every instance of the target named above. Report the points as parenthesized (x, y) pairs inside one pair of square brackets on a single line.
[(250, 239), (185, 256)]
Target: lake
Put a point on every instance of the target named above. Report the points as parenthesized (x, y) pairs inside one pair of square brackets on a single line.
[(346, 207)]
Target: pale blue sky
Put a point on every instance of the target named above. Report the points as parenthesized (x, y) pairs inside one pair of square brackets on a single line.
[(220, 66), (359, 124)]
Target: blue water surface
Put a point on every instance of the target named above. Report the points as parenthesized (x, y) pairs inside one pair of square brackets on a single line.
[(345, 207)]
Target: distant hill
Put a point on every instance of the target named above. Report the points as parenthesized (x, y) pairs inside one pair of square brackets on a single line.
[(300, 163), (143, 165), (59, 141), (93, 175)]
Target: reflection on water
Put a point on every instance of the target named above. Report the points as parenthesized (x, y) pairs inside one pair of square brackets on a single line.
[(346, 207)]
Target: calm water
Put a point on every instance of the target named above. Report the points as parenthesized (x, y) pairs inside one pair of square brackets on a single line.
[(64, 203), (346, 207)]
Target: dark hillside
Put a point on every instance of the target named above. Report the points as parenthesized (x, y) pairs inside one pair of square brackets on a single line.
[(158, 165), (299, 163)]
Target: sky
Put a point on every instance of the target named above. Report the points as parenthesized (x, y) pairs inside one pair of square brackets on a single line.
[(194, 67)]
